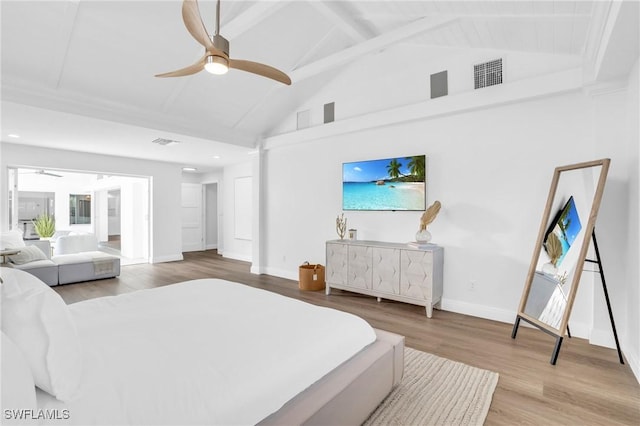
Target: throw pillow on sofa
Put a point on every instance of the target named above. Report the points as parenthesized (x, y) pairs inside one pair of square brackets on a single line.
[(27, 254), (11, 239)]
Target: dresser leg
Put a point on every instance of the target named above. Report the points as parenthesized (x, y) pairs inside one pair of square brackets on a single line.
[(429, 310), (327, 290)]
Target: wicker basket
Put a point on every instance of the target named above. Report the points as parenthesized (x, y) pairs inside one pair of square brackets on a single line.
[(311, 277)]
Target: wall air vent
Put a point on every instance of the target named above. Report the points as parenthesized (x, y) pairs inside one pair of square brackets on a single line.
[(165, 142), (487, 74)]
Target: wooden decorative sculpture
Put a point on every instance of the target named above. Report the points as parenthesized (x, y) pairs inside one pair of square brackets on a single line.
[(554, 248), (341, 226), (424, 236), (429, 215)]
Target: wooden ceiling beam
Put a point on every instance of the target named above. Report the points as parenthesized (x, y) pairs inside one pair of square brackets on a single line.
[(347, 25), (250, 18), (419, 26)]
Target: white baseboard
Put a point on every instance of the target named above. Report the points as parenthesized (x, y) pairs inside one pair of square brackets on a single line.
[(237, 256), (502, 315), (633, 360), (211, 247), (480, 311), (168, 258), (282, 273), (578, 329), (602, 338)]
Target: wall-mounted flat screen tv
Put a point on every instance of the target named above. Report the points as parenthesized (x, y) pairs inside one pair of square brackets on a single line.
[(566, 225), (386, 184)]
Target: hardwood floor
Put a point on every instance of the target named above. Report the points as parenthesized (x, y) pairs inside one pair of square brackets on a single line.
[(588, 386)]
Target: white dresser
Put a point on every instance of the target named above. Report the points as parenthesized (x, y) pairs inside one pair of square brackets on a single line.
[(387, 271)]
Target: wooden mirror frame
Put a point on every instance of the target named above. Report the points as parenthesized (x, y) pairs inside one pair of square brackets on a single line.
[(588, 233)]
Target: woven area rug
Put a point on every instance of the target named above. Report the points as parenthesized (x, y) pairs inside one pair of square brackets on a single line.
[(437, 391)]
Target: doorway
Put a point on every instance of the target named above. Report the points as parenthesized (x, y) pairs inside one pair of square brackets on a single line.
[(114, 222), (211, 216), (200, 218), (113, 207)]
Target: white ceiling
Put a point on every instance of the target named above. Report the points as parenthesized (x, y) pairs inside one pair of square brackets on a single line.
[(80, 74)]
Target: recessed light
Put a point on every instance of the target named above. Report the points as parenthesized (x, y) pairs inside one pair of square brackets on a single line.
[(216, 157), (13, 135), (189, 169)]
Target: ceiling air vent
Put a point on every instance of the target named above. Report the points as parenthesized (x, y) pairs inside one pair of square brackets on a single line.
[(165, 142), (487, 74)]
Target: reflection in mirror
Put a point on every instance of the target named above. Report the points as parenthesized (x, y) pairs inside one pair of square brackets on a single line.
[(561, 247), (564, 235)]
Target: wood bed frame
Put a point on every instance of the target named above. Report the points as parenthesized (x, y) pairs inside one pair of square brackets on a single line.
[(351, 392)]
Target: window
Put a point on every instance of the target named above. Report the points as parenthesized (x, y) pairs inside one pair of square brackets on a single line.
[(79, 209)]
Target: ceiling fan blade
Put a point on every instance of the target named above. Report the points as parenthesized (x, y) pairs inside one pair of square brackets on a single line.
[(194, 24), (260, 69), (45, 173), (191, 69)]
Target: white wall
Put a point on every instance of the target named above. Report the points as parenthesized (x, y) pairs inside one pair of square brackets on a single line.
[(165, 187), (616, 119), (400, 75), (234, 247), (134, 227), (632, 349), (490, 169), (490, 166)]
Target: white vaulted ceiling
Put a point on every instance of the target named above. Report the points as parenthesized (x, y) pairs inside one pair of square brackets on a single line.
[(97, 59)]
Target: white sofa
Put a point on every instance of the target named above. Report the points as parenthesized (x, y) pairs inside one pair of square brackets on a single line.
[(75, 258), (79, 259), (45, 269)]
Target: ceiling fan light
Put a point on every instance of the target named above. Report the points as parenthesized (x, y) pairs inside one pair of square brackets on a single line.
[(216, 65)]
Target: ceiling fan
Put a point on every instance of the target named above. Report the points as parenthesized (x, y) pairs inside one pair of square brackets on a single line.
[(42, 172), (216, 58)]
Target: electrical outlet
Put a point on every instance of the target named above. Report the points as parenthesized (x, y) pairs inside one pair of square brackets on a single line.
[(284, 259), (472, 285)]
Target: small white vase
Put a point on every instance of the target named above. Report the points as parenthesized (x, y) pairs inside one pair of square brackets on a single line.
[(423, 236)]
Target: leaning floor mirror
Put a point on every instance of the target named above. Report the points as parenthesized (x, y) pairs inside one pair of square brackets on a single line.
[(566, 230)]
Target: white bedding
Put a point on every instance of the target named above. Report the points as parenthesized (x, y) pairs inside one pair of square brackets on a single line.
[(202, 352)]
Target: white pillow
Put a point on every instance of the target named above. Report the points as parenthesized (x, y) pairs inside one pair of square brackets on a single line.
[(38, 321), (18, 389), (11, 239), (27, 254)]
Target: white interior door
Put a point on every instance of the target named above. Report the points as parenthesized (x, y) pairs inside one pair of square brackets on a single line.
[(211, 215), (192, 235)]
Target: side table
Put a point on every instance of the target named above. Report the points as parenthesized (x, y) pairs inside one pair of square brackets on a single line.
[(7, 252)]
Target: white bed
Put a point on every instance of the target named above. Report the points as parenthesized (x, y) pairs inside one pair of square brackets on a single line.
[(216, 352)]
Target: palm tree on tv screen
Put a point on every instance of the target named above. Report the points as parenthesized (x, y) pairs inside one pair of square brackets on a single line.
[(393, 168), (564, 224), (416, 166)]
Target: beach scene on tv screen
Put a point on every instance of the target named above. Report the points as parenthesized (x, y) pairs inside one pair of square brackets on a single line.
[(567, 228), (386, 184)]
